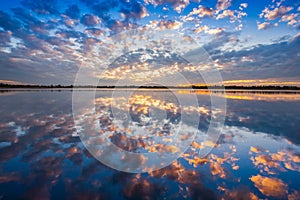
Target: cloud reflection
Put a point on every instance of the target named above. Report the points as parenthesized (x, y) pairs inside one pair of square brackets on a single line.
[(44, 156)]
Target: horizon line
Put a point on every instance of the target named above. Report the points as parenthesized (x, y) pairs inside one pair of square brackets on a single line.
[(192, 86)]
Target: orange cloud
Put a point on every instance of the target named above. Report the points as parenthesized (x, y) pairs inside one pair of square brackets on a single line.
[(11, 82), (269, 186)]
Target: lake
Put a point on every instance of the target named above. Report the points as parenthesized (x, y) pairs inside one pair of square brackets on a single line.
[(42, 156)]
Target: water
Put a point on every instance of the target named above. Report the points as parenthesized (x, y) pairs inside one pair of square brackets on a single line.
[(257, 154)]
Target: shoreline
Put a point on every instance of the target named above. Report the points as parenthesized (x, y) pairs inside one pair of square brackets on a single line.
[(190, 90)]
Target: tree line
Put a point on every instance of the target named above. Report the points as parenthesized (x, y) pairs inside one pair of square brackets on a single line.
[(233, 87)]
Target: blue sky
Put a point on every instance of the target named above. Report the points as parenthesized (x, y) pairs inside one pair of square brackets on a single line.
[(46, 42)]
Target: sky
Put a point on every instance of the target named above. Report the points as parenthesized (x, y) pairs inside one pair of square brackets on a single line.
[(47, 42)]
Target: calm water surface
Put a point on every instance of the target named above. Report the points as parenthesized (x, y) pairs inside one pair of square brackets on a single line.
[(257, 156)]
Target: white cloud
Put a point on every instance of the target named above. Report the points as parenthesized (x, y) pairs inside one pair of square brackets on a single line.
[(215, 31), (206, 29), (264, 25), (290, 18), (201, 29), (166, 24), (202, 11), (244, 5), (276, 13), (223, 4), (226, 13), (177, 5)]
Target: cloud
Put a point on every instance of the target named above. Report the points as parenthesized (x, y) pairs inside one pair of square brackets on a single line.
[(5, 37), (165, 24), (291, 19), (213, 46), (90, 20), (10, 82), (217, 169), (275, 13), (168, 24), (32, 62), (295, 38), (244, 5), (195, 189), (33, 42), (137, 188), (282, 13), (269, 186), (267, 60), (66, 34), (226, 13), (177, 5), (24, 16), (133, 11), (215, 31), (202, 11), (223, 4), (31, 23), (240, 193), (264, 25), (267, 163), (56, 41), (63, 31), (294, 195), (41, 6), (70, 22), (94, 31), (117, 26), (206, 29), (198, 15), (88, 43), (201, 29)]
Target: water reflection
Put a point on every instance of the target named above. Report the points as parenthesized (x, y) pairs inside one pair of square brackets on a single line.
[(41, 156), (265, 95)]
